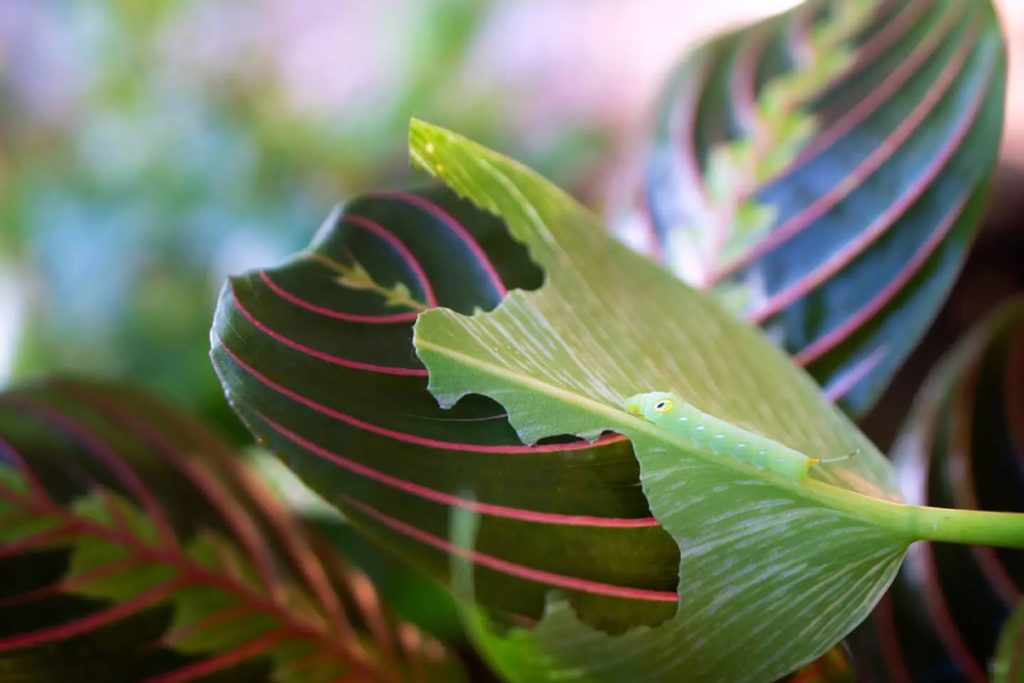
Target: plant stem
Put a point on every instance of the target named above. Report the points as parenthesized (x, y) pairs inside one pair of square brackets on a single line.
[(976, 527), (923, 523)]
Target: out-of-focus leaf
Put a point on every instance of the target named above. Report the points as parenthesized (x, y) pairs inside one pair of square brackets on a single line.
[(408, 591), (824, 172), (317, 358), (134, 546), (411, 594), (835, 666), (1008, 666), (772, 572), (963, 446)]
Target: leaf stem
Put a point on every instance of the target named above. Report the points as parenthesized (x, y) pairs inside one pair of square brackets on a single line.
[(976, 527), (924, 523)]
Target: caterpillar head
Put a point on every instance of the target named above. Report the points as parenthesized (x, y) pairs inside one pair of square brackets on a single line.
[(652, 405)]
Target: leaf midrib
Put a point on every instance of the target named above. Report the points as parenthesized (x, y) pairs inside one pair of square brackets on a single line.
[(886, 514)]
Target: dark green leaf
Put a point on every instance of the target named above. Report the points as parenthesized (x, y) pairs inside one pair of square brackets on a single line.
[(325, 373)]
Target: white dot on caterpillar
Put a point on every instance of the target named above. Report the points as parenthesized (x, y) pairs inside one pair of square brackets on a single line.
[(700, 428), (741, 445), (719, 436), (682, 419)]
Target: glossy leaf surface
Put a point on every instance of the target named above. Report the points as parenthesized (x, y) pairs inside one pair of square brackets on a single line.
[(824, 172), (963, 446), (133, 546), (773, 572), (317, 358)]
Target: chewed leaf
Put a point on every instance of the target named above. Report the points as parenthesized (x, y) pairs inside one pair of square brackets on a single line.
[(827, 168), (324, 373), (134, 546), (773, 571)]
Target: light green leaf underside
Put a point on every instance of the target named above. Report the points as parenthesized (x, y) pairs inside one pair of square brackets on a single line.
[(772, 572)]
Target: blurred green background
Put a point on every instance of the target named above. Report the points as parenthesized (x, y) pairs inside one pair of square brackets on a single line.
[(150, 148)]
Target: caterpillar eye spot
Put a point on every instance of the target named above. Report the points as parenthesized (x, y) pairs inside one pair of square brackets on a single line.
[(663, 406)]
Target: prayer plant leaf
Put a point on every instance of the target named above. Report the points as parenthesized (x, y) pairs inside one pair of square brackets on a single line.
[(824, 171), (135, 546), (325, 374), (772, 572)]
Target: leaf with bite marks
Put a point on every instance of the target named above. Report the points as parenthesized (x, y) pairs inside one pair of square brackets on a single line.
[(772, 572)]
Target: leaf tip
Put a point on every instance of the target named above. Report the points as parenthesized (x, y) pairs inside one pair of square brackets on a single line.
[(423, 142)]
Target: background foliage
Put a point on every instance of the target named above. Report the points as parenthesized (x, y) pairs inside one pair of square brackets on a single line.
[(168, 139)]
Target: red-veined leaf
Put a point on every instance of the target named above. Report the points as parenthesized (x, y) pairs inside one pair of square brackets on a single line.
[(317, 358), (134, 546), (825, 171), (773, 571)]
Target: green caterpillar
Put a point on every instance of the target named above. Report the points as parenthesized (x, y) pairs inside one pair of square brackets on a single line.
[(679, 417)]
